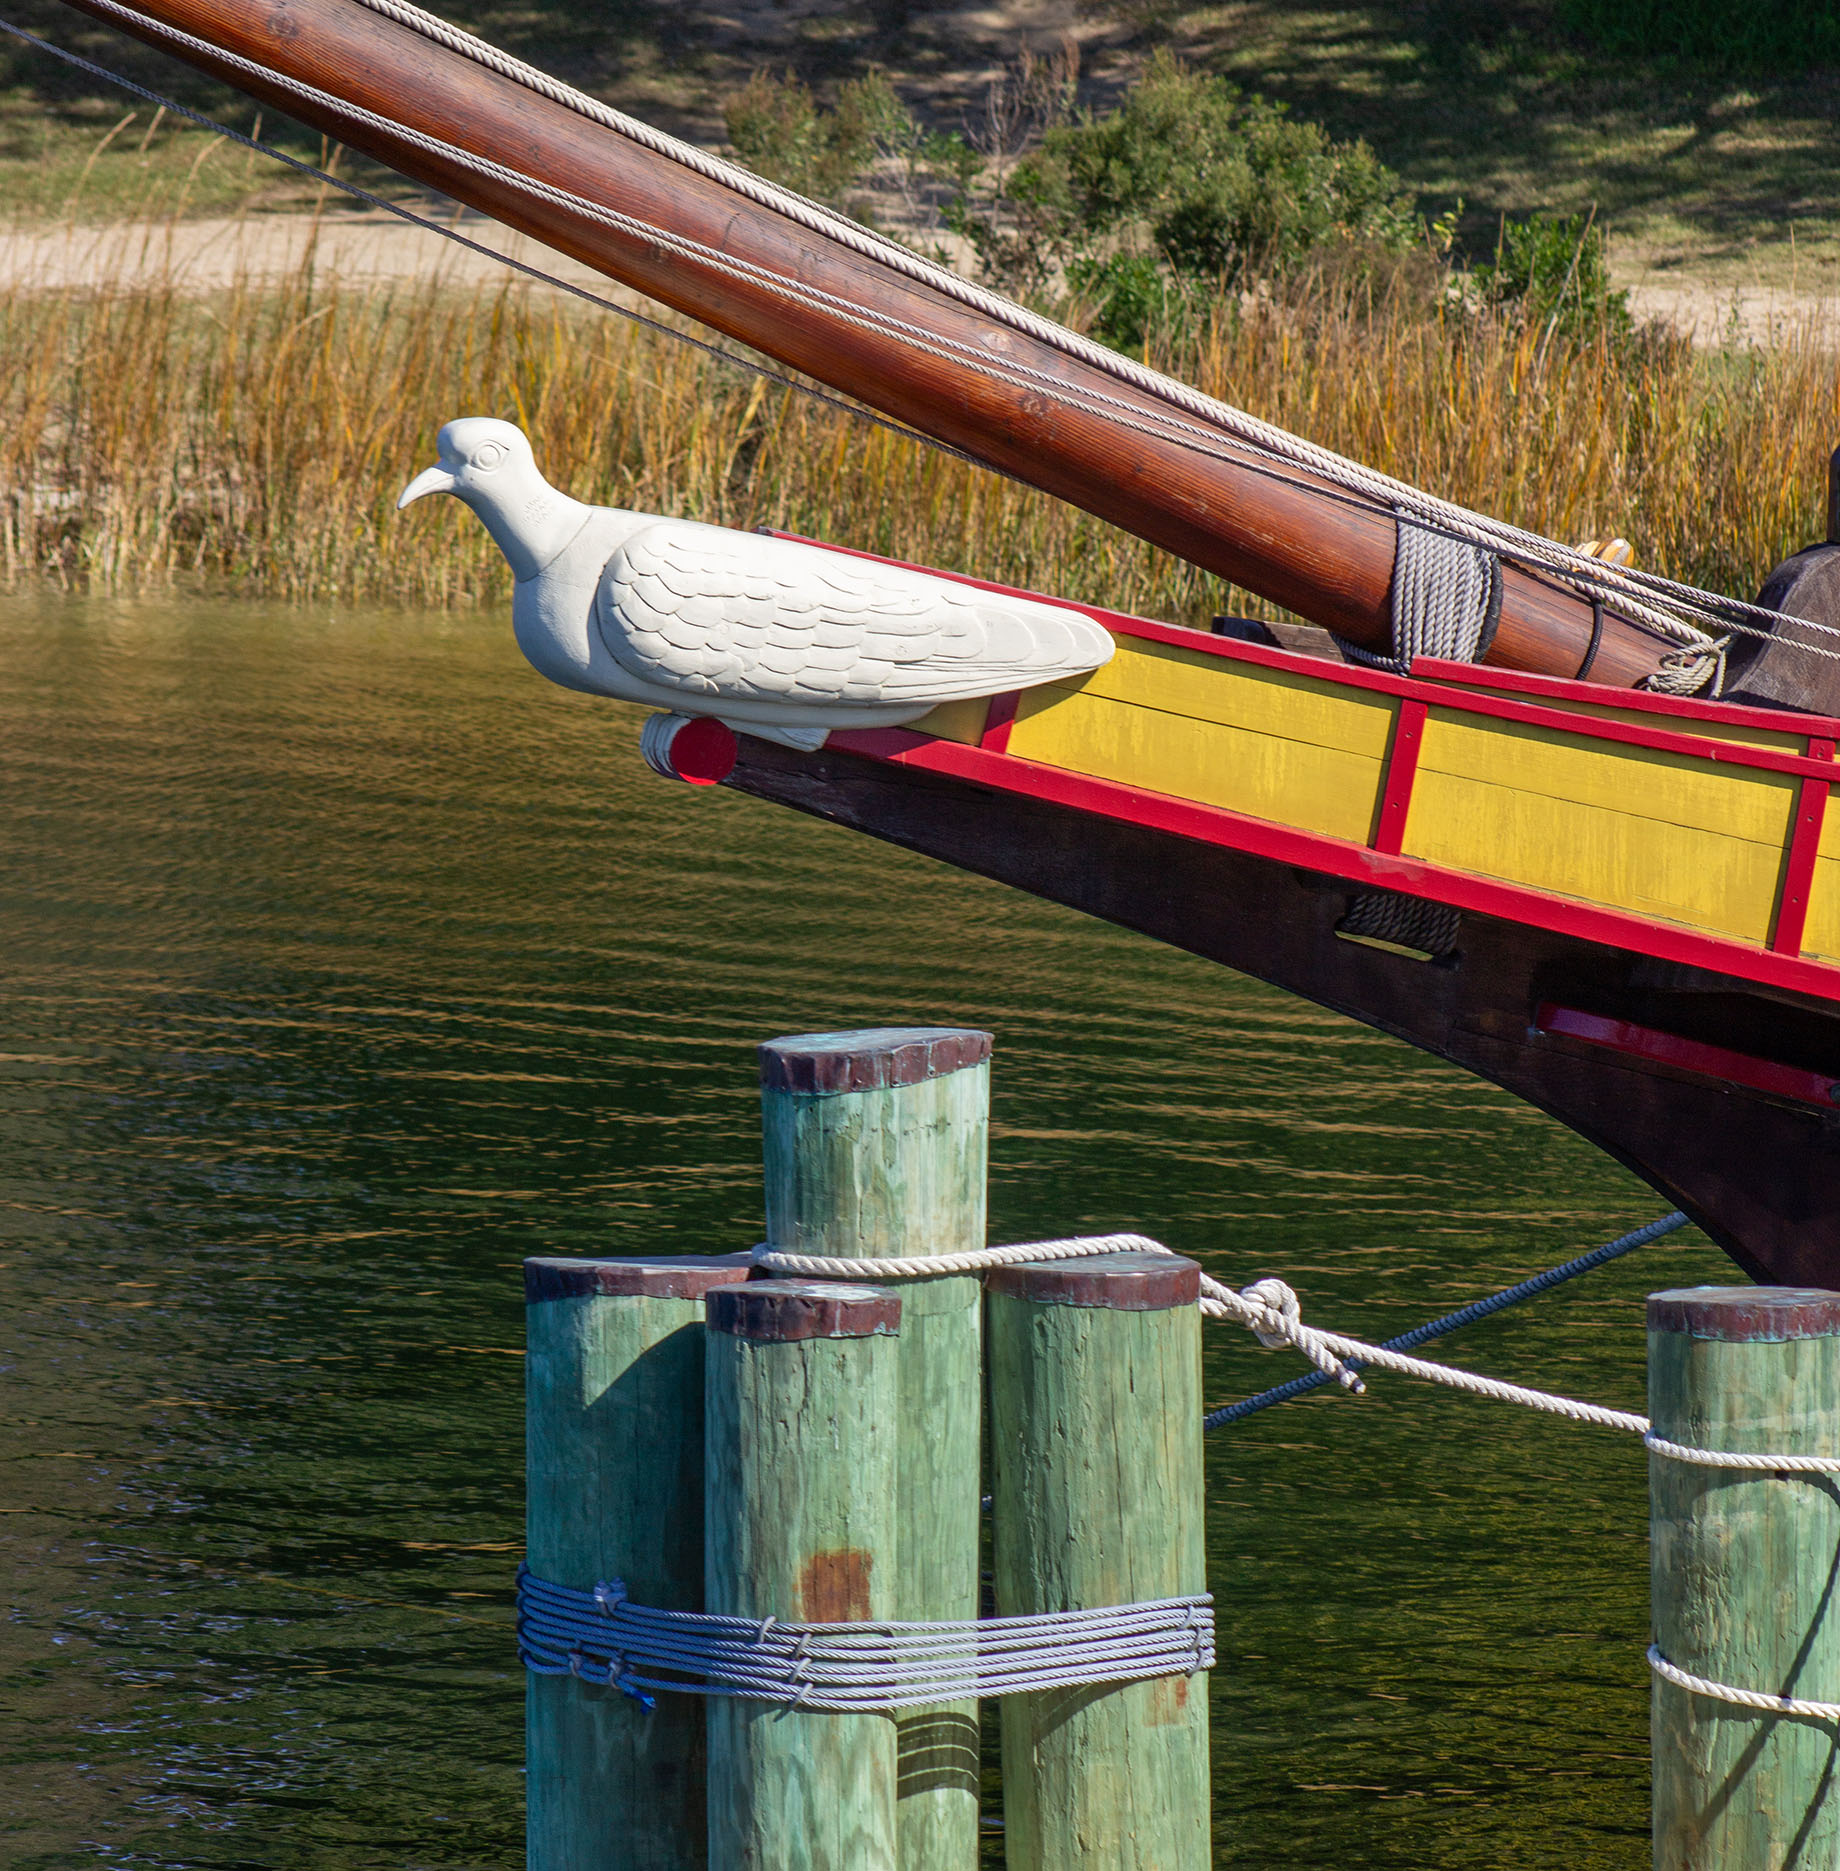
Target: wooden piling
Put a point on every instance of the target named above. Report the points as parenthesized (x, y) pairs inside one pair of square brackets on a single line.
[(1833, 497), (1744, 1571), (800, 1455), (876, 1145), (614, 1466), (1095, 1424)]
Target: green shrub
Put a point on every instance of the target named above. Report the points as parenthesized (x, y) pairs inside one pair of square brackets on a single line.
[(1552, 270), (1135, 220), (1131, 297), (1226, 186), (783, 133), (1189, 185)]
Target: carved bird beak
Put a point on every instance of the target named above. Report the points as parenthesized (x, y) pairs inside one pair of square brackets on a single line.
[(434, 480)]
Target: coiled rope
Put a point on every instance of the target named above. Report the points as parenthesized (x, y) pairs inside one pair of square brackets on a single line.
[(603, 1637), (1446, 600)]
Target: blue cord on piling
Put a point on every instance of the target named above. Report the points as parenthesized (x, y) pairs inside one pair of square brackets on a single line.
[(1455, 1321)]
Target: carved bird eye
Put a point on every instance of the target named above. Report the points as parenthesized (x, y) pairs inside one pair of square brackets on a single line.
[(490, 456)]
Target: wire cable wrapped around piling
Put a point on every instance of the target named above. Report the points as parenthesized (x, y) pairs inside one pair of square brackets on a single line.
[(603, 1637)]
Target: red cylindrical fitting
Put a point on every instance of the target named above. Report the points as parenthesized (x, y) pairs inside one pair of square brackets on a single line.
[(691, 748)]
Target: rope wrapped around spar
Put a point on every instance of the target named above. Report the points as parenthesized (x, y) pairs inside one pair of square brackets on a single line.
[(603, 1637)]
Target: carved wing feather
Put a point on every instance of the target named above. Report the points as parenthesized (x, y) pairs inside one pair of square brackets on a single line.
[(720, 614)]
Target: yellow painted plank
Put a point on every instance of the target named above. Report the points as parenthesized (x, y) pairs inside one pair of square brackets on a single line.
[(1631, 828), (1592, 852), (1829, 847), (1821, 935), (1331, 790), (1662, 788), (1322, 713), (956, 721)]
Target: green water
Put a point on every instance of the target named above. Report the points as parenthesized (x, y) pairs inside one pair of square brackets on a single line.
[(345, 963)]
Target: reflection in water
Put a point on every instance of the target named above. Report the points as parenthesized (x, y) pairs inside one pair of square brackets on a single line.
[(346, 963)]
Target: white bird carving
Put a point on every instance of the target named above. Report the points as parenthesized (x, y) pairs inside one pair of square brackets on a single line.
[(778, 639)]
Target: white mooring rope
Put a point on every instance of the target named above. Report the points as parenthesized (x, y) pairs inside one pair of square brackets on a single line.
[(1732, 1458), (1782, 1467), (1742, 1698), (1269, 1308), (1272, 1311)]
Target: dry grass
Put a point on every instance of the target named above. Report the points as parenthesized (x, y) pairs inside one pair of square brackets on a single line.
[(259, 439), (1714, 463)]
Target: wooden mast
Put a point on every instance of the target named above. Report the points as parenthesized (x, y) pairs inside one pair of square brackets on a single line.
[(1292, 539)]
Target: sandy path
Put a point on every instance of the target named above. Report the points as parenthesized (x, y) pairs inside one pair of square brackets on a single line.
[(1711, 314), (207, 256), (374, 248)]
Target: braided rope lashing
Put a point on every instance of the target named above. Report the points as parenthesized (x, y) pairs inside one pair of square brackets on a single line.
[(1446, 599)]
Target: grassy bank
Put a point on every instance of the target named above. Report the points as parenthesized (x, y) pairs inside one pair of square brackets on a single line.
[(258, 439)]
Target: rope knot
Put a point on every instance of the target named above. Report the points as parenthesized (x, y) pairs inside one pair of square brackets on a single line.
[(1279, 1298), (1284, 1326)]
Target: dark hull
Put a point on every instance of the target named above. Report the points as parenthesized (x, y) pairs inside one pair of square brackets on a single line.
[(1759, 1173)]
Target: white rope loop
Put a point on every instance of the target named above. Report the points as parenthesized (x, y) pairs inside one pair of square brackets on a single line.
[(1740, 1698)]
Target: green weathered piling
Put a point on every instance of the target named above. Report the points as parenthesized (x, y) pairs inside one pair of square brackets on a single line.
[(614, 1465), (800, 1445), (1095, 1426), (876, 1146), (1744, 1570)]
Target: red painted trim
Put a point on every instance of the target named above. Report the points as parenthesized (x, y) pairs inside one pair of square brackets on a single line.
[(1566, 689), (1688, 1055), (1339, 858), (1804, 849), (999, 718), (1632, 734), (1401, 771)]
